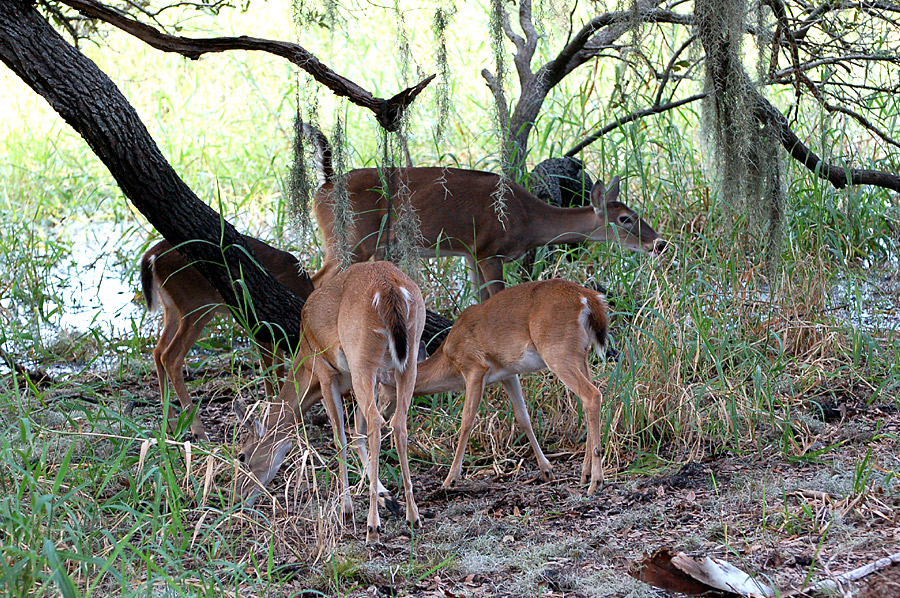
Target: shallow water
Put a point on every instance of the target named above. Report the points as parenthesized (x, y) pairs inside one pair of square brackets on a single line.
[(96, 292)]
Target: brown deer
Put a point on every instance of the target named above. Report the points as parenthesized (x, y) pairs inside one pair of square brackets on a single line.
[(361, 326), (531, 327), (189, 302), (456, 216)]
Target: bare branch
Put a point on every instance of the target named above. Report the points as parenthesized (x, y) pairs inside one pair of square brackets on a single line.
[(664, 79), (387, 112), (657, 109), (863, 121), (531, 34), (833, 60), (496, 88)]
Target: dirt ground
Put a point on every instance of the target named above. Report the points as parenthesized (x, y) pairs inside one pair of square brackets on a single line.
[(504, 532)]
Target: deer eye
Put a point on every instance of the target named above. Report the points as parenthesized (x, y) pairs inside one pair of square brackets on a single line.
[(625, 220), (242, 458)]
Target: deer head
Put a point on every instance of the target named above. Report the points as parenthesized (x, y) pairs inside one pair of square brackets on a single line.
[(264, 450), (625, 224)]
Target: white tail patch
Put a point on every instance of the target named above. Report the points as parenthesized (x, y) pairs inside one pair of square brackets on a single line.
[(584, 321), (408, 296)]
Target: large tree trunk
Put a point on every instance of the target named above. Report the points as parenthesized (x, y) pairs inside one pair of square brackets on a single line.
[(91, 103)]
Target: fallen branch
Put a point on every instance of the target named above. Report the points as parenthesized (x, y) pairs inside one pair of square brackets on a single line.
[(387, 112), (826, 586), (37, 376)]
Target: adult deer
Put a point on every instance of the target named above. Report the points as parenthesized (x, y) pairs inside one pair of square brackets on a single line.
[(549, 324), (189, 302), (360, 326), (456, 216)]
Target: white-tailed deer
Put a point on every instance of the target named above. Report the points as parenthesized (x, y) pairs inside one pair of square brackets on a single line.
[(189, 302), (360, 326), (549, 324), (456, 214)]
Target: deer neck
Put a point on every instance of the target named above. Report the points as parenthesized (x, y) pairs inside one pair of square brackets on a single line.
[(551, 225), (437, 374)]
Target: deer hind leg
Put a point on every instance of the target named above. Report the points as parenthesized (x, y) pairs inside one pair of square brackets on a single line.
[(513, 388), (180, 333), (385, 498), (406, 382), (576, 378), (474, 391), (364, 388), (334, 407)]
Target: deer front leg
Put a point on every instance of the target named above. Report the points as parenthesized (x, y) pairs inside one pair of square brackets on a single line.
[(268, 358), (492, 276), (405, 385), (513, 388), (474, 390), (334, 406)]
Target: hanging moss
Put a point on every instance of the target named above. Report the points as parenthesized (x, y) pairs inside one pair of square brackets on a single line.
[(498, 47), (299, 183), (745, 156), (442, 17), (342, 211)]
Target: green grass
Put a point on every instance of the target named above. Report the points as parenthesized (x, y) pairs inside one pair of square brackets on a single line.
[(715, 357)]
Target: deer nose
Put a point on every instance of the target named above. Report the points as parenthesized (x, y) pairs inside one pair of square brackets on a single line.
[(659, 246)]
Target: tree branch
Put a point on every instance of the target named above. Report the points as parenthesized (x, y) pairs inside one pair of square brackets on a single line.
[(657, 109), (839, 177), (387, 112)]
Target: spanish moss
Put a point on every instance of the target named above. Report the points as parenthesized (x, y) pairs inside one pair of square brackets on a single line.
[(442, 17), (342, 211), (745, 158), (501, 112)]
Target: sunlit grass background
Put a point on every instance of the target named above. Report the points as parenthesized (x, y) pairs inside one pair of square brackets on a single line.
[(716, 356)]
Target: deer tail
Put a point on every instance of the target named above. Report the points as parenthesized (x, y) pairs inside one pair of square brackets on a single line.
[(148, 285), (393, 306), (596, 321), (323, 153)]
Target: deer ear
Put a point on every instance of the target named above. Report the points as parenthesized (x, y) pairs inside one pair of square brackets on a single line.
[(612, 191), (245, 419), (598, 195), (240, 408)]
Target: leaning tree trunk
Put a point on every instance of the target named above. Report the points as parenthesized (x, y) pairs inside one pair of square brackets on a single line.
[(92, 105)]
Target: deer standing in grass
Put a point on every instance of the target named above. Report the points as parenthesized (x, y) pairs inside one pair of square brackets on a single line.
[(189, 302), (456, 214), (531, 327), (361, 326)]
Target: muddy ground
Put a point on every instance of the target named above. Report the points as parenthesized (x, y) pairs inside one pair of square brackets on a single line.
[(504, 532)]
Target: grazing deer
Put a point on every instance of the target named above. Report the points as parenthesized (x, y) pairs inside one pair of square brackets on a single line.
[(361, 326), (549, 324), (189, 302), (456, 216)]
